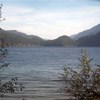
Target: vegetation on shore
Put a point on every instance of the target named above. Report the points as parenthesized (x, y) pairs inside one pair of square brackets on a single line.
[(7, 86), (83, 83)]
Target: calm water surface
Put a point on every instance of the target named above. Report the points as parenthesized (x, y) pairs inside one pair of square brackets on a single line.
[(38, 68)]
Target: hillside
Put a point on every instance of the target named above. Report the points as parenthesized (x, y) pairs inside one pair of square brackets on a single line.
[(60, 41), (88, 32), (19, 39), (15, 38), (92, 40)]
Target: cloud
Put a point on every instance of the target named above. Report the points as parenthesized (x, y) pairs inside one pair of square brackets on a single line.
[(50, 23)]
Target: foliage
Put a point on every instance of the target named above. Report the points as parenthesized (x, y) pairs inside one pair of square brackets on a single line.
[(12, 85), (83, 84), (8, 87), (3, 54), (1, 19)]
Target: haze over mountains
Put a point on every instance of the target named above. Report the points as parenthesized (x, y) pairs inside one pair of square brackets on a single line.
[(91, 31), (15, 38), (90, 37)]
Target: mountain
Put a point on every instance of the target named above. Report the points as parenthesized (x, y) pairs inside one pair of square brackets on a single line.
[(91, 40), (15, 38), (19, 39), (88, 32), (16, 32), (60, 41)]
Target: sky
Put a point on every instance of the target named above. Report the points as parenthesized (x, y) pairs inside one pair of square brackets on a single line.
[(50, 19)]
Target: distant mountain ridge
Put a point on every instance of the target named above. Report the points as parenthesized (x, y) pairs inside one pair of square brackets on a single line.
[(91, 31), (16, 38), (90, 40), (60, 41), (90, 37)]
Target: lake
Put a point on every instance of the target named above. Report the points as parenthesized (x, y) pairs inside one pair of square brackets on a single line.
[(38, 70)]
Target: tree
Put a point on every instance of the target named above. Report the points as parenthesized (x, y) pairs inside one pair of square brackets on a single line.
[(1, 19), (84, 83), (11, 85)]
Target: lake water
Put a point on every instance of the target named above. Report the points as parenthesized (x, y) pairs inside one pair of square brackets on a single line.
[(38, 69)]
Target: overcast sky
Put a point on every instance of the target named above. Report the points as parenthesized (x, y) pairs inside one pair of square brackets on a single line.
[(50, 19)]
